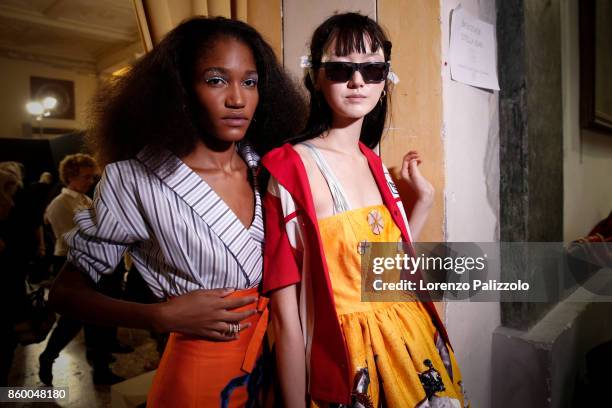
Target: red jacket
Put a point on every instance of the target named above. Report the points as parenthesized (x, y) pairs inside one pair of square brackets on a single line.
[(330, 378)]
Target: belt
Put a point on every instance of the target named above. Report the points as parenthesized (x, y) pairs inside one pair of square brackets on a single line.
[(252, 351)]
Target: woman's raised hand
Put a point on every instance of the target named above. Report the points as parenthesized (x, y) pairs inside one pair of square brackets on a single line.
[(206, 313), (411, 174)]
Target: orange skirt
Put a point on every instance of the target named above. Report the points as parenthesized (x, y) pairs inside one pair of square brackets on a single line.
[(200, 373)]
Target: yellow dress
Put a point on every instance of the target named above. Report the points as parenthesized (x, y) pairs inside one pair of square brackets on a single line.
[(396, 341)]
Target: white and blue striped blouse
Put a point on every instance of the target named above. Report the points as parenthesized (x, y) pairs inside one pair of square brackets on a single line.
[(180, 233)]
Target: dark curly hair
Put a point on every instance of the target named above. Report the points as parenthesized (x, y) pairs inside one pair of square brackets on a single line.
[(155, 104), (348, 32)]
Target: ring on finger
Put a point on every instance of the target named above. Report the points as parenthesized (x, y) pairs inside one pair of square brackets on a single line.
[(233, 329)]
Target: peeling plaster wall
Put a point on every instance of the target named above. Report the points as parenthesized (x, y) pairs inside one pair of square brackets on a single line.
[(471, 142)]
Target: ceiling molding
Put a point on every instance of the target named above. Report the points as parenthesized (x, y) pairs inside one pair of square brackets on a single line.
[(54, 10), (102, 33), (112, 61), (52, 60)]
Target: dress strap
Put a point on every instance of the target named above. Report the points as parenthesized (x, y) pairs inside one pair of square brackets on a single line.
[(335, 188)]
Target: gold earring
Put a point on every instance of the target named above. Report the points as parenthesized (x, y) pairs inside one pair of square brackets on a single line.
[(382, 96)]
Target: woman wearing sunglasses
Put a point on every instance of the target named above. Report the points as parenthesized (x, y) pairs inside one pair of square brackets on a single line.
[(329, 194)]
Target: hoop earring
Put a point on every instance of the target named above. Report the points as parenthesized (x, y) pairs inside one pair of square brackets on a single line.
[(382, 96)]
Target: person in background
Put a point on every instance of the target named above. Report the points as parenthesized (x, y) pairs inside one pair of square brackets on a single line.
[(46, 178), (78, 173), (39, 193), (11, 180), (27, 215), (12, 285)]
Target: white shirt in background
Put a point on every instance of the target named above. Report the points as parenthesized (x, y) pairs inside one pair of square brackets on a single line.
[(60, 214)]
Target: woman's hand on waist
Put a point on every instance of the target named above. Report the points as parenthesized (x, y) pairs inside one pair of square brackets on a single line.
[(208, 314)]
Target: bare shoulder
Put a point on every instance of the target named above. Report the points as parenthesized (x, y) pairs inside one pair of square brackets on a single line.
[(322, 198), (306, 157), (301, 150)]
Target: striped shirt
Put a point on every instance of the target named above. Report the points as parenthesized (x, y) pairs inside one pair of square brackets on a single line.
[(181, 235)]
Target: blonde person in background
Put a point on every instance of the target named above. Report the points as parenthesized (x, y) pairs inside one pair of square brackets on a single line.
[(10, 181), (11, 278), (78, 172)]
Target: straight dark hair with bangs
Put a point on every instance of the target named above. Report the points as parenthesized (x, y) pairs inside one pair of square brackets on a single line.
[(348, 33)]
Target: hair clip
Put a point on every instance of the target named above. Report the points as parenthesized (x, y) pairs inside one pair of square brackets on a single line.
[(392, 76), (305, 61)]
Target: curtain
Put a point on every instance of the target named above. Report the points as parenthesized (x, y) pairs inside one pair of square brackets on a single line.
[(157, 17)]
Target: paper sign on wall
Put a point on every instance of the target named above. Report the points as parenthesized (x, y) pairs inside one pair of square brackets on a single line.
[(472, 51)]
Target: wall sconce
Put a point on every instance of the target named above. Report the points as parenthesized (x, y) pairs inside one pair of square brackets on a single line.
[(41, 109)]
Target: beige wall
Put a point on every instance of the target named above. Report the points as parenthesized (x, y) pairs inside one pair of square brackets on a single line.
[(300, 18), (15, 85), (265, 16), (157, 17), (416, 119)]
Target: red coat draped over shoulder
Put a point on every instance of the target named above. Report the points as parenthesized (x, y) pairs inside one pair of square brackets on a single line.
[(330, 379)]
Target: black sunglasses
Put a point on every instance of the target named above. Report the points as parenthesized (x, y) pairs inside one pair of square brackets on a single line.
[(372, 72)]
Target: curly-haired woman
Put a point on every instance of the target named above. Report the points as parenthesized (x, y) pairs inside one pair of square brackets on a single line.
[(183, 132)]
